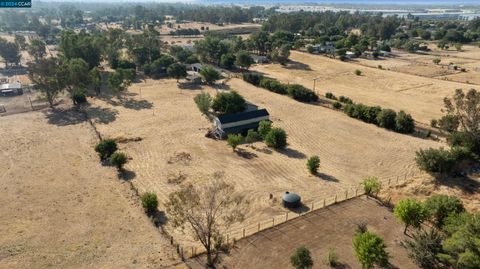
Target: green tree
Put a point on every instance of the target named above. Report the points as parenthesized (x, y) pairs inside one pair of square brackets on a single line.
[(234, 140), (410, 212), (276, 138), (264, 128), (77, 75), (118, 159), (177, 71), (229, 103), (313, 163), (370, 250), (20, 41), (37, 49), (149, 202), (243, 60), (10, 52), (48, 78), (203, 101), (227, 60), (371, 186), (424, 248), (280, 55), (449, 123), (120, 79), (209, 74), (386, 119), (96, 79), (404, 123), (252, 136), (106, 148), (301, 259), (441, 206)]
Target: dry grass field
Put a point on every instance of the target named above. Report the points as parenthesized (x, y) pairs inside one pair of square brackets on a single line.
[(332, 227), (174, 150), (59, 208), (420, 96)]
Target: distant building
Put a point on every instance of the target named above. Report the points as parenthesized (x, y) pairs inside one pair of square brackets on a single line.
[(350, 55), (329, 49), (238, 123), (10, 89), (195, 67), (259, 59)]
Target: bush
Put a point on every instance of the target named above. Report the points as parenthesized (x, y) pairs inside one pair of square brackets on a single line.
[(337, 105), (227, 60), (302, 94), (448, 123), (301, 259), (424, 248), (313, 163), (276, 138), (252, 78), (264, 128), (358, 72), (441, 160), (345, 100), (118, 159), (386, 119), (371, 186), (332, 258), (466, 140), (209, 74), (434, 123), (149, 202), (370, 250), (229, 103), (203, 101), (79, 97), (404, 123), (106, 148), (273, 85), (252, 136), (330, 95), (441, 206), (310, 49), (234, 140), (410, 212)]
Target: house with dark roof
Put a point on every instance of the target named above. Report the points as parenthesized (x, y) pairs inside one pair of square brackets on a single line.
[(238, 123)]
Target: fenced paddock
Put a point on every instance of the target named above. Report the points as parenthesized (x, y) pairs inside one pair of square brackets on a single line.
[(28, 101), (309, 207)]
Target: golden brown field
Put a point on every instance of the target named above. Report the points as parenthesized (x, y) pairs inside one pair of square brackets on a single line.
[(420, 96), (59, 208), (173, 148)]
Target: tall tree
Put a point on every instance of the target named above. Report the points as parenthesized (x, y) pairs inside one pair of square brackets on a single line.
[(10, 52), (48, 78), (37, 49)]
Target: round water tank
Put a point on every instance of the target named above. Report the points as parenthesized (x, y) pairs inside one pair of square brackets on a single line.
[(291, 200)]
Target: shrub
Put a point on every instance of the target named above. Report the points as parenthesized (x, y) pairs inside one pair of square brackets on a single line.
[(106, 148), (234, 140), (310, 49), (371, 186), (448, 123), (434, 123), (264, 128), (410, 212), (466, 140), (203, 101), (252, 136), (118, 159), (313, 163), (273, 85), (252, 78), (229, 103), (436, 60), (404, 123), (345, 100), (337, 105), (441, 160), (370, 250), (386, 119), (301, 259), (149, 202), (332, 258), (302, 94), (441, 206), (330, 95), (209, 74), (276, 138), (424, 248), (227, 60), (358, 72), (79, 97)]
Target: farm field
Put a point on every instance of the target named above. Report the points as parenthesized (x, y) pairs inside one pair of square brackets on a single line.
[(332, 227), (167, 144), (59, 208), (420, 96)]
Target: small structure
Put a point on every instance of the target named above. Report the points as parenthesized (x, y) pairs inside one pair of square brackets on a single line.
[(238, 123), (329, 49), (11, 89), (259, 59), (350, 55), (291, 200), (196, 67), (384, 53)]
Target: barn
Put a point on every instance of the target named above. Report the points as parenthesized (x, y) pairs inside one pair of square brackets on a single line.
[(238, 123)]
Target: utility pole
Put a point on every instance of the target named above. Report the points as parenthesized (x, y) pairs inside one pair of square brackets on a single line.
[(314, 80)]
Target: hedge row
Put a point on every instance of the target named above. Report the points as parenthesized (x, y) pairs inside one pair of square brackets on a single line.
[(296, 91)]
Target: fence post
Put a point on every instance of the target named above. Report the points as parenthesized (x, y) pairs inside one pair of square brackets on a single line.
[(192, 252), (323, 202), (335, 198), (171, 240), (356, 192), (243, 231), (227, 239), (397, 179), (312, 205), (258, 230), (273, 222), (389, 181), (346, 194), (286, 216)]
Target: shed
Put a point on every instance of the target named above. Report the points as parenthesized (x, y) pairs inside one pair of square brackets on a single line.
[(10, 89), (195, 67), (291, 200), (259, 59), (239, 123)]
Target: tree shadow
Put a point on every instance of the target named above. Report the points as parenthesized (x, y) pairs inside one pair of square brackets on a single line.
[(189, 86), (293, 153), (101, 115), (136, 104), (297, 65), (263, 150), (65, 117), (465, 183), (326, 177), (245, 154), (127, 175)]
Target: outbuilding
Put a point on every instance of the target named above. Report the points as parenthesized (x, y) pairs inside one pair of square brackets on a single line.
[(10, 89), (259, 59), (238, 123), (291, 200)]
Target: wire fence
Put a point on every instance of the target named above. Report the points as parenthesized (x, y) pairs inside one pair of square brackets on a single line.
[(27, 101), (309, 206)]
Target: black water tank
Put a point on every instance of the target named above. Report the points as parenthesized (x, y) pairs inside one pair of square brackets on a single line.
[(291, 200)]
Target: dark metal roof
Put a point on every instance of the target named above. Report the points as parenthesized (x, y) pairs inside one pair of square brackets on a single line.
[(241, 128), (243, 116)]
